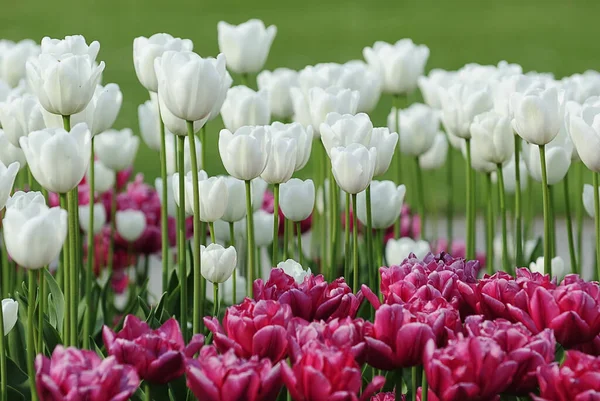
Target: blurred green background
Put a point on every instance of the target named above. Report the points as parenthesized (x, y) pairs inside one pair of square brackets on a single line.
[(558, 36)]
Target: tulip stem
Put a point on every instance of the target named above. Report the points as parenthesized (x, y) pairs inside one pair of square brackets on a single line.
[(216, 299), (333, 218), (501, 195), (73, 230), (347, 244), (579, 213), (424, 386), (420, 196), (552, 222), (250, 234), (396, 110), (275, 224), (181, 257), (3, 373), (147, 396), (197, 319), (41, 309), (30, 332), (232, 243), (572, 253), (370, 251), (286, 234), (355, 244), (6, 271), (414, 381), (489, 237), (597, 220), (399, 381), (450, 194), (470, 242), (546, 204), (518, 213), (113, 214), (164, 215), (323, 215), (65, 279), (299, 234), (87, 327)]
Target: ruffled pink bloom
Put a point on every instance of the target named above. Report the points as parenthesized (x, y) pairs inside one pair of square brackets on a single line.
[(79, 375), (227, 377), (157, 355), (578, 379), (438, 314), (253, 328), (459, 250), (327, 373), (391, 396)]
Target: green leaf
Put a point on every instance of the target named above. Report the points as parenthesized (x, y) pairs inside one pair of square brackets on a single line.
[(178, 389), (52, 337), (97, 349), (17, 379), (16, 343), (537, 251), (14, 394), (56, 300)]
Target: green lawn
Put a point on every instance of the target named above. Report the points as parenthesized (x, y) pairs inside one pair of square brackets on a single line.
[(558, 36)]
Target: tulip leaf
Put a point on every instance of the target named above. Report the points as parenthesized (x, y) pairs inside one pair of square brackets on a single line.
[(16, 341), (538, 251), (56, 299), (17, 379), (51, 336), (144, 307), (14, 394), (173, 301), (96, 348), (173, 281), (178, 389)]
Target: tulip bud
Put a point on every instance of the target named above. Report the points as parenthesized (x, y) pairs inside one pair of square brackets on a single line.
[(99, 217), (263, 228), (7, 180), (171, 206), (385, 144), (343, 130), (148, 118), (117, 149), (104, 178), (419, 124), (558, 161), (130, 224), (585, 133), (258, 189), (435, 157), (10, 309), (430, 86), (47, 150), (218, 263), (213, 197), (146, 50), (171, 154), (277, 84), (244, 153), (282, 160), (493, 138), (26, 228), (20, 116), (557, 267), (353, 167), (10, 153), (243, 106), (321, 102), (460, 104), (588, 199), (537, 117), (13, 57), (386, 204), (477, 162), (399, 65), (396, 250), (235, 206), (294, 270), (303, 137), (246, 45), (297, 199)]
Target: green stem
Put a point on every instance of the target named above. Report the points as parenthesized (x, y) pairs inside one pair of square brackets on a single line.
[(501, 194), (234, 279), (399, 382), (6, 270), (355, 244), (413, 379), (244, 77), (469, 184), (333, 223), (369, 236), (286, 239), (579, 211), (211, 229), (216, 300), (64, 203), (347, 245), (183, 304), (597, 220), (73, 228), (164, 216), (518, 213), (424, 386), (572, 253), (420, 196), (450, 194), (489, 223), (396, 109), (203, 164), (41, 310), (323, 217), (3, 370), (275, 224), (552, 222), (197, 319), (250, 234), (30, 332), (111, 247), (148, 396), (546, 200), (299, 234), (87, 327)]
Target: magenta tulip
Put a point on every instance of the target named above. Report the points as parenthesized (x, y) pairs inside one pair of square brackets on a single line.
[(226, 377), (79, 375), (156, 355), (391, 396), (438, 314), (253, 328)]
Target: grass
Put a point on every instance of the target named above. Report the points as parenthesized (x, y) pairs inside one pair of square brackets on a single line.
[(557, 36)]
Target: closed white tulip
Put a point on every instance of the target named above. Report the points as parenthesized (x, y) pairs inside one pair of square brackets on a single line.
[(321, 102), (510, 176), (235, 209), (243, 106), (218, 263), (477, 162), (386, 204), (176, 125), (25, 229), (537, 117), (64, 84), (303, 137), (460, 104), (10, 153), (58, 159), (585, 134), (104, 177), (7, 180), (244, 153), (20, 116), (213, 198), (171, 206), (117, 149), (430, 86), (345, 129), (503, 90), (188, 189), (246, 45), (301, 107), (263, 228), (557, 267), (419, 124), (558, 161), (396, 250), (99, 217), (258, 190), (493, 137), (171, 154), (73, 44), (294, 270), (21, 200), (188, 84), (297, 199), (588, 199), (146, 50), (226, 83), (384, 142), (13, 57), (353, 167), (10, 314), (130, 224), (358, 76), (399, 65), (148, 119), (277, 84), (435, 157), (282, 160)]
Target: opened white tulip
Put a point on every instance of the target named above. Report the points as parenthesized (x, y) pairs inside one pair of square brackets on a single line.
[(104, 177), (244, 153), (235, 209), (176, 125), (294, 270), (146, 50), (353, 167), (10, 314), (460, 104), (20, 116), (99, 217), (263, 228), (246, 45), (28, 227), (588, 199), (359, 76), (435, 157), (345, 129), (13, 57), (171, 156), (277, 84), (218, 263), (396, 250), (188, 83), (430, 86), (258, 189), (171, 206), (130, 224), (321, 102), (419, 124), (213, 198), (243, 106), (536, 115), (73, 44), (282, 160), (20, 199), (399, 65), (58, 159), (557, 266), (297, 199), (558, 161), (7, 180), (580, 87), (585, 134), (384, 142), (386, 204), (117, 149), (493, 138), (303, 137), (510, 182), (10, 153)]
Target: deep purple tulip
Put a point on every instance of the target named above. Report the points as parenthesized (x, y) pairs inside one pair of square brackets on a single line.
[(326, 374), (253, 328), (226, 377), (79, 375), (156, 355)]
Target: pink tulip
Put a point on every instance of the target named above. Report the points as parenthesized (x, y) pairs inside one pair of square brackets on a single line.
[(253, 328), (156, 355), (79, 375), (391, 396), (327, 373), (438, 314), (459, 250)]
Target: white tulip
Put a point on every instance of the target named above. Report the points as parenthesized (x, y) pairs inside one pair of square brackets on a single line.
[(503, 90), (384, 142), (171, 206), (148, 119), (263, 228), (74, 44), (10, 314), (477, 162), (226, 289), (226, 83), (460, 104), (104, 178), (419, 124), (294, 270), (173, 124), (10, 153), (246, 45), (218, 263), (580, 87), (588, 199), (435, 157), (117, 149), (537, 117), (58, 159), (430, 86), (244, 153), (243, 106), (282, 160), (358, 76), (297, 199), (386, 204), (213, 198), (21, 200), (510, 176), (99, 217), (235, 209), (557, 267), (303, 137), (171, 154), (188, 190), (396, 250), (493, 138), (130, 224), (20, 116), (584, 131), (353, 167), (321, 102), (343, 130), (258, 189), (558, 161), (13, 57), (277, 84), (7, 180)]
